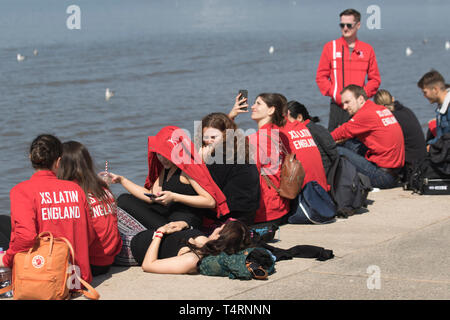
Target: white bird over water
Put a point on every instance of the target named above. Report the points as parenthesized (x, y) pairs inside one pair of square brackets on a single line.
[(108, 94), (271, 50), (35, 52), (447, 45), (408, 51), (20, 57)]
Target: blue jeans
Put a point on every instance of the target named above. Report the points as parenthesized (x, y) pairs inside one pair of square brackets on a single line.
[(354, 150)]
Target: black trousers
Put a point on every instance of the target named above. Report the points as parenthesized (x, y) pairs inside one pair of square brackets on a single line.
[(154, 215), (338, 116), (5, 231)]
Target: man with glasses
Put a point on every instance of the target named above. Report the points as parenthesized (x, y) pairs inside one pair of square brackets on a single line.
[(346, 61)]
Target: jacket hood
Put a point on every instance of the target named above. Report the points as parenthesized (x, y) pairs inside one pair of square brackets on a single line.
[(174, 144)]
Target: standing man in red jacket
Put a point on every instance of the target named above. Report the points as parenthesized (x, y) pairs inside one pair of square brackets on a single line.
[(346, 61), (379, 148)]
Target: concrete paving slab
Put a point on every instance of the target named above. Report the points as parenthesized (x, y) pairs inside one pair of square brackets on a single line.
[(406, 235)]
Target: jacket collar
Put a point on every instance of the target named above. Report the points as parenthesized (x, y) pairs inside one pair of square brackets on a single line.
[(44, 173), (444, 107)]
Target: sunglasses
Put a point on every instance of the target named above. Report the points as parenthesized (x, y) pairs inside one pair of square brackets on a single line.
[(349, 25)]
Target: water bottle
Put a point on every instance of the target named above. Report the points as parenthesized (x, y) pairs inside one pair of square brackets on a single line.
[(5, 280)]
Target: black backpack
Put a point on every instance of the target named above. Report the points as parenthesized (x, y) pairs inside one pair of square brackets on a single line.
[(433, 172), (349, 188)]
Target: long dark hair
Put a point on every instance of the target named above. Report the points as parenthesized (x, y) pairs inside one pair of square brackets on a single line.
[(240, 144), (77, 165), (44, 151), (234, 237), (295, 108), (279, 102)]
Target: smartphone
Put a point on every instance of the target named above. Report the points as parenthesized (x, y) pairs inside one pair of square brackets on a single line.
[(244, 94), (151, 195)]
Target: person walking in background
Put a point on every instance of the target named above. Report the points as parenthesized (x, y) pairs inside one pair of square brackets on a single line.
[(45, 203), (415, 147), (346, 61), (77, 165), (379, 149), (435, 90)]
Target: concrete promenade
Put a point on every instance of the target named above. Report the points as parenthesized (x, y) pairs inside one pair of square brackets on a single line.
[(404, 238)]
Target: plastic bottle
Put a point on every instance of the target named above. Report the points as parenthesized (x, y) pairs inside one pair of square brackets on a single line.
[(5, 280)]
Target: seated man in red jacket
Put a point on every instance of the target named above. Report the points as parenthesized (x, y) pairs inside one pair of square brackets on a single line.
[(382, 152)]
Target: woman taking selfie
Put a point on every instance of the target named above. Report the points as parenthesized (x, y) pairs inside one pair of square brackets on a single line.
[(269, 141)]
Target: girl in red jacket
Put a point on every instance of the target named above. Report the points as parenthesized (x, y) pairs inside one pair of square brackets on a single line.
[(268, 113), (44, 203), (76, 165)]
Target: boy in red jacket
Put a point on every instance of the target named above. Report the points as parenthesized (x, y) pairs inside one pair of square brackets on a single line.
[(380, 134), (346, 61)]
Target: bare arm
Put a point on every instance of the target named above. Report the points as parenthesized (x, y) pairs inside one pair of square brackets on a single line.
[(185, 263), (137, 190), (238, 107), (202, 200)]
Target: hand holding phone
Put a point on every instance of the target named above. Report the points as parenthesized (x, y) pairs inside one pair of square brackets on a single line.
[(151, 195), (244, 94)]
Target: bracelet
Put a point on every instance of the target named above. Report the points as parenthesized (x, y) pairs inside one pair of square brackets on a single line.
[(157, 234)]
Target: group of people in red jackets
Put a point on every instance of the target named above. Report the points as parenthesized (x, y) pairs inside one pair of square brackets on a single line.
[(200, 187)]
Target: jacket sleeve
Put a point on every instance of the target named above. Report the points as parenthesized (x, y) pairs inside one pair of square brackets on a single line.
[(356, 126), (23, 224), (373, 76), (323, 74)]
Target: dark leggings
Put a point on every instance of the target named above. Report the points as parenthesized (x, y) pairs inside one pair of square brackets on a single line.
[(5, 231), (154, 215)]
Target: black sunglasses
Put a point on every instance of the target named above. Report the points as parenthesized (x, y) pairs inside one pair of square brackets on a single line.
[(349, 25)]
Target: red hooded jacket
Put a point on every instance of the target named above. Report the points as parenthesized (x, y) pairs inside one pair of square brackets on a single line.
[(45, 203), (338, 68), (269, 158), (107, 242), (174, 144), (376, 127), (306, 151)]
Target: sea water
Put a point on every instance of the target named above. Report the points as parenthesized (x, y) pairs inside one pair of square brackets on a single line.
[(173, 62)]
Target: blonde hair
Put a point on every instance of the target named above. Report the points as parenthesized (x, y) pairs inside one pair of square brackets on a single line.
[(384, 98)]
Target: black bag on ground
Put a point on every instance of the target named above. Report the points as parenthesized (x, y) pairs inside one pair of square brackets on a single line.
[(349, 188), (425, 178), (432, 175)]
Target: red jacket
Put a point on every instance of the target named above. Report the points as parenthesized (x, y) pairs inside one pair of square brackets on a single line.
[(173, 143), (302, 143), (272, 206), (361, 63), (107, 242), (44, 203), (376, 127)]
